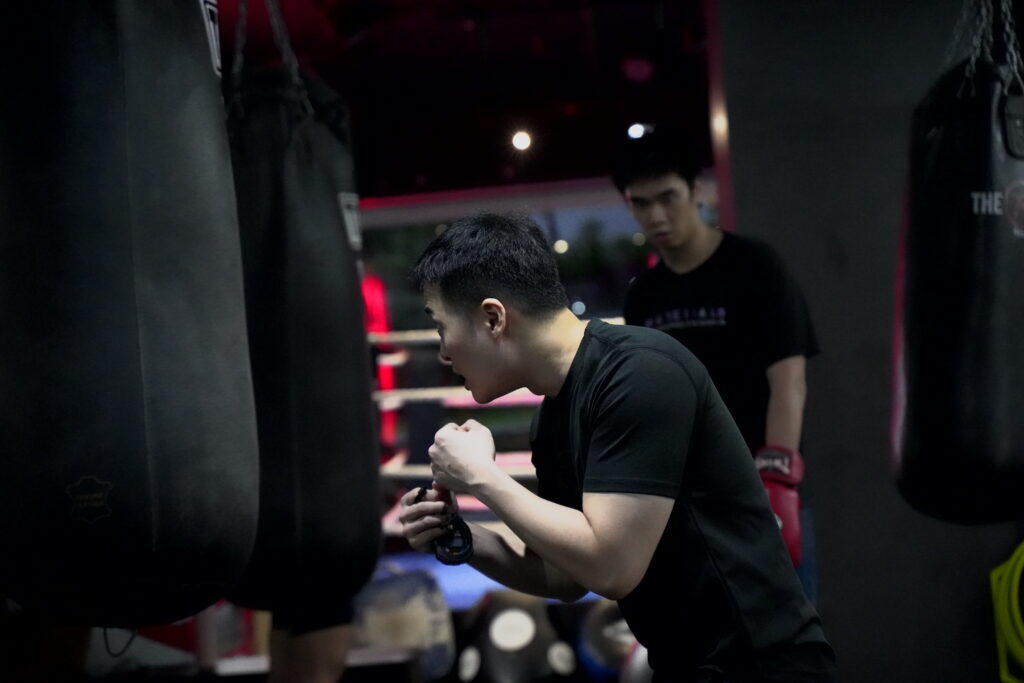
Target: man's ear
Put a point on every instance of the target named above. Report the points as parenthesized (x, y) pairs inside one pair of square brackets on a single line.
[(495, 315), (702, 191)]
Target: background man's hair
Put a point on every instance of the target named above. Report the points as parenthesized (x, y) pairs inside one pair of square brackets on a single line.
[(505, 256), (656, 154)]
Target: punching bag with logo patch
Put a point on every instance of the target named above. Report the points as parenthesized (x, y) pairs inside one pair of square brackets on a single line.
[(128, 461), (958, 432)]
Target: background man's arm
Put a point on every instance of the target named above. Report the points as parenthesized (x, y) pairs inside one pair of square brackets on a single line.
[(779, 462), (787, 385)]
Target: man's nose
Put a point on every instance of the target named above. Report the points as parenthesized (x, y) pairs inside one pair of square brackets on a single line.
[(656, 213), (442, 356)]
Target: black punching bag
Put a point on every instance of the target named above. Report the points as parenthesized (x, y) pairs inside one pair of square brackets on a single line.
[(958, 431), (128, 462), (320, 519)]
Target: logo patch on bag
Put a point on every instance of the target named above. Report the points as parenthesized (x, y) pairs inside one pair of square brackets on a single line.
[(90, 499), (1013, 207), (349, 204), (1009, 204)]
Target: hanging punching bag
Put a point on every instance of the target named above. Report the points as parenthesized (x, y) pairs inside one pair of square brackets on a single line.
[(320, 521), (959, 379), (128, 463)]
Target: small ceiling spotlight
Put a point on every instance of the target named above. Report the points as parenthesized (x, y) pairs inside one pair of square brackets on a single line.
[(638, 130), (561, 246), (521, 140)]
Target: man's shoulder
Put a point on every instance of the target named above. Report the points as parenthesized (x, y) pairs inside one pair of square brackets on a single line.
[(751, 248), (634, 346)]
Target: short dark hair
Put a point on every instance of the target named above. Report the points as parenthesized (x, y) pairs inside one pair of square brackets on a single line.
[(501, 255), (655, 154)]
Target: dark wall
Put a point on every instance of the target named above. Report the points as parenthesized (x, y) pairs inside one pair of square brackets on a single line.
[(819, 96)]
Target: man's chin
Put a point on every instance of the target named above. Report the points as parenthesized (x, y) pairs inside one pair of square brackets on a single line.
[(483, 398)]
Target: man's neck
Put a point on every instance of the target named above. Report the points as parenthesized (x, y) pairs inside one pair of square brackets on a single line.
[(552, 348), (691, 255)]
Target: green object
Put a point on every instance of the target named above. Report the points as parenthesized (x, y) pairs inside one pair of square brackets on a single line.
[(1006, 589)]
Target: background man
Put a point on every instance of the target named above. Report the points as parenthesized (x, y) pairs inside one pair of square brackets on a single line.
[(730, 300)]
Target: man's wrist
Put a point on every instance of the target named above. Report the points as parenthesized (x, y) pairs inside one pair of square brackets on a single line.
[(488, 488)]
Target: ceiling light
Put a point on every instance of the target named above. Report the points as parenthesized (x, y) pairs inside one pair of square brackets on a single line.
[(636, 131), (521, 140)]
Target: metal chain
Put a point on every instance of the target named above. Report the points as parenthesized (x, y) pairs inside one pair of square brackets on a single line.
[(241, 34), (1013, 60), (284, 45), (986, 17), (981, 43), (959, 45), (280, 32)]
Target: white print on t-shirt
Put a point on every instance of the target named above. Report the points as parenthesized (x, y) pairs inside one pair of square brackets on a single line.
[(691, 316)]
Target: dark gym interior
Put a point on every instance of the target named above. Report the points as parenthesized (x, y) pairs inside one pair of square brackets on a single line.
[(802, 108)]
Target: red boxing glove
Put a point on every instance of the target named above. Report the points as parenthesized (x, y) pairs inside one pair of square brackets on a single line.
[(782, 470)]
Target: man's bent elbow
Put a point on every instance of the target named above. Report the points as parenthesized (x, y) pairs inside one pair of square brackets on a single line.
[(618, 586), (568, 590), (570, 594)]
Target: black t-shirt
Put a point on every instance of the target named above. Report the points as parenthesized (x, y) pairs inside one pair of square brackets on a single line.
[(738, 312), (638, 414)]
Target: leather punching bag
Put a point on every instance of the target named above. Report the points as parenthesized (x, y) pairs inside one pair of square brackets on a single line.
[(959, 344), (320, 529), (128, 462)]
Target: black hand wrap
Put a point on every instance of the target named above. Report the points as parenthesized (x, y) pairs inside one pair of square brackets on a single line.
[(456, 545)]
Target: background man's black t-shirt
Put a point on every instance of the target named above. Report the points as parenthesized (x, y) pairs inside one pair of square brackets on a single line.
[(638, 414), (738, 312)]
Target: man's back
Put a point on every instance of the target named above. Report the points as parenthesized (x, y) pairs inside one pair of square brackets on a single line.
[(638, 414)]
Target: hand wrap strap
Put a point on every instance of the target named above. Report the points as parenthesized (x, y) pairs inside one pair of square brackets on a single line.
[(456, 545)]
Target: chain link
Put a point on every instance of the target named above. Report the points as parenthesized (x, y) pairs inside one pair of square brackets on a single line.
[(981, 42), (963, 34), (986, 17), (982, 39), (1013, 60)]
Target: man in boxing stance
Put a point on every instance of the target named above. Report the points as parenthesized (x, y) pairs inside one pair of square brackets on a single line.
[(647, 493), (731, 301)]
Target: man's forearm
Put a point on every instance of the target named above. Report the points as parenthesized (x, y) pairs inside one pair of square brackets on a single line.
[(561, 536), (784, 419), (787, 394), (505, 558)]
